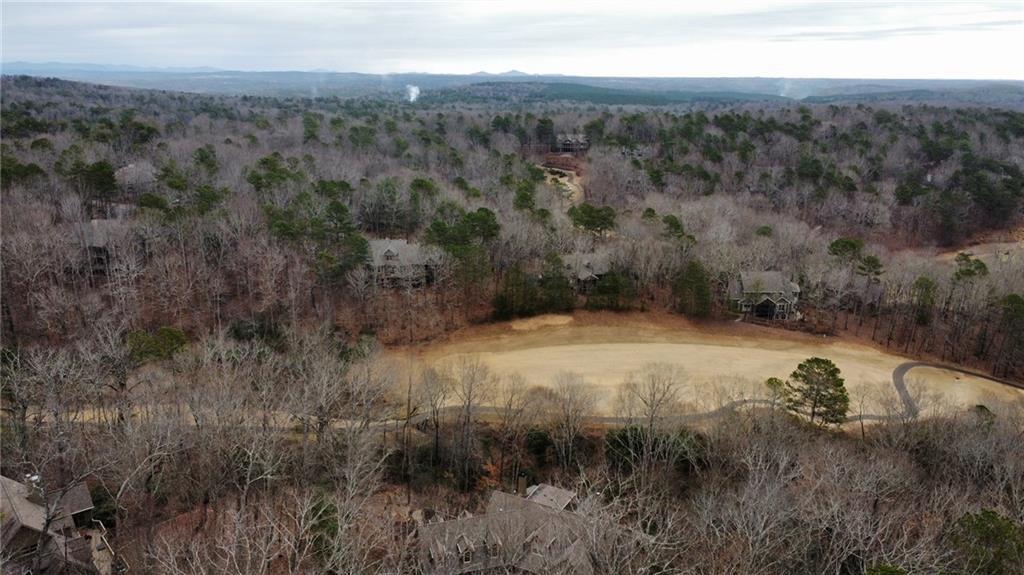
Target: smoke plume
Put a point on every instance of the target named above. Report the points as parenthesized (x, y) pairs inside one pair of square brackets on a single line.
[(412, 92)]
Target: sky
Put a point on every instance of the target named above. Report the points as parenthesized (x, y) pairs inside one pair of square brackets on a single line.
[(716, 38)]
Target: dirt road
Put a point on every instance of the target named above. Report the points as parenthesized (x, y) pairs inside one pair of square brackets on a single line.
[(723, 362)]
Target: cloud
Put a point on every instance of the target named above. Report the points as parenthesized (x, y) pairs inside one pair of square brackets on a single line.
[(882, 33), (724, 38)]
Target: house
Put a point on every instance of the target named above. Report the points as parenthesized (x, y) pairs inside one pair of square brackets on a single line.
[(399, 262), (137, 177), (99, 238), (550, 496), (77, 504), (765, 295), (133, 180), (576, 144), (584, 269), (53, 533), (112, 210), (515, 534)]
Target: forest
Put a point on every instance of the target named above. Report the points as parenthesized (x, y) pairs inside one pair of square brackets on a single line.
[(192, 328)]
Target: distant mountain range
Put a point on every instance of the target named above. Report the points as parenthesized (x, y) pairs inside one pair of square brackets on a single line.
[(34, 68), (505, 74), (547, 87)]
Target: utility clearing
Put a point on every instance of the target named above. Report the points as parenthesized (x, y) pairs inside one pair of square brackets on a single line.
[(723, 362)]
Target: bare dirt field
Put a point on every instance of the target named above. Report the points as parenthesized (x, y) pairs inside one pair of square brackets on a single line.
[(723, 361), (572, 183)]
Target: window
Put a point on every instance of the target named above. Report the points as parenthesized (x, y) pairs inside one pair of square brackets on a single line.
[(465, 550)]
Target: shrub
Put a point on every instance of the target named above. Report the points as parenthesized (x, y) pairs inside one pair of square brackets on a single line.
[(260, 328), (692, 289), (987, 542), (162, 344), (592, 218), (538, 443), (154, 202), (424, 186), (614, 291), (625, 448)]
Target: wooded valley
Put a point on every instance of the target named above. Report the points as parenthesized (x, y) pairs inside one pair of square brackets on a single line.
[(199, 296)]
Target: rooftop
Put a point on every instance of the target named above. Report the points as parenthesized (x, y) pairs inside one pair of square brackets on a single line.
[(399, 253), (22, 504), (17, 508), (765, 282), (574, 138), (136, 174), (531, 536), (100, 233), (587, 266), (550, 496)]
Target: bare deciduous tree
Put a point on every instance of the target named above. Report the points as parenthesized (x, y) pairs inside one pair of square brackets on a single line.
[(573, 402)]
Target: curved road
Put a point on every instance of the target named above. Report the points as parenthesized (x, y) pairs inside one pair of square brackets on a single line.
[(910, 408)]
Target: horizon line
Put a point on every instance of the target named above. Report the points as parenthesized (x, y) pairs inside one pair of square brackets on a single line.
[(507, 73)]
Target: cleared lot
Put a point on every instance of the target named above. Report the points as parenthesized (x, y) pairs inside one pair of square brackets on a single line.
[(723, 362)]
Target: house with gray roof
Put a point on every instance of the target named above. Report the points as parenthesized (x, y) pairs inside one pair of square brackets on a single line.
[(584, 269), (516, 534), (136, 177), (550, 496), (99, 238), (51, 533), (765, 295), (396, 262)]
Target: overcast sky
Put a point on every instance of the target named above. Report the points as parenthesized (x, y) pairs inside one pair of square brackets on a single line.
[(924, 39)]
